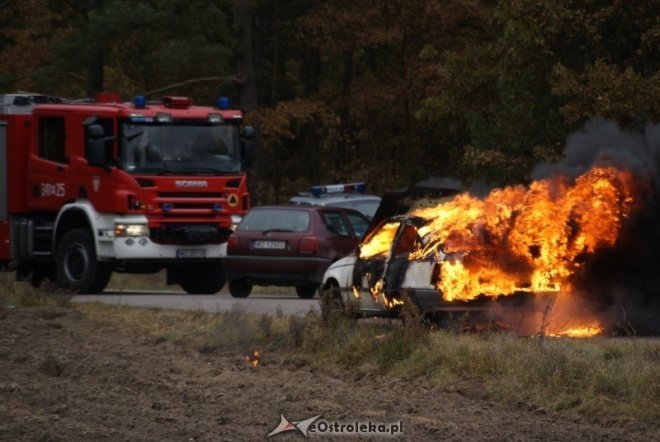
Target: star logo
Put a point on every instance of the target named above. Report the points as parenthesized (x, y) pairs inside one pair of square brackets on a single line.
[(286, 425)]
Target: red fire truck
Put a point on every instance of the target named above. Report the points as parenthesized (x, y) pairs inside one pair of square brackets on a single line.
[(92, 187)]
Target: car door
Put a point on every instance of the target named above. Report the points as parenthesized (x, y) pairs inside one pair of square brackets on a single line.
[(372, 262)]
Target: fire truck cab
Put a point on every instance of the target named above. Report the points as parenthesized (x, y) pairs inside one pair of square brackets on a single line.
[(92, 187)]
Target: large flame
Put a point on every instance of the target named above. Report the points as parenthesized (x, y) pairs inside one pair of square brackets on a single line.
[(521, 238), (526, 238)]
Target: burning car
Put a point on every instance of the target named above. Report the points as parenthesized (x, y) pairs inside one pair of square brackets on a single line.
[(505, 251), (389, 269)]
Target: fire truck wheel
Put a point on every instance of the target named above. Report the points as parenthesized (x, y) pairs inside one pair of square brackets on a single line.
[(77, 267), (202, 279), (306, 291), (239, 288)]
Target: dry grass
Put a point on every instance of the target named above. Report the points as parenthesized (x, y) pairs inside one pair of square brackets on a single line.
[(22, 294), (613, 378)]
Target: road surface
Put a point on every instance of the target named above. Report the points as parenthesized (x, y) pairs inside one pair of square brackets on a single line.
[(254, 304)]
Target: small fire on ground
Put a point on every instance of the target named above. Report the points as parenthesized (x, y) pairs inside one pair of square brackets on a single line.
[(254, 359)]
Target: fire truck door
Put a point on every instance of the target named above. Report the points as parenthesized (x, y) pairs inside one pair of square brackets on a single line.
[(48, 184)]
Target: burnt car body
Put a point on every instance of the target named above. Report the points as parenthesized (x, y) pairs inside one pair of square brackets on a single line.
[(290, 246), (380, 284)]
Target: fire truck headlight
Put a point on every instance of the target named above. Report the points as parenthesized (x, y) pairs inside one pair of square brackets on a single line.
[(131, 230), (235, 220)]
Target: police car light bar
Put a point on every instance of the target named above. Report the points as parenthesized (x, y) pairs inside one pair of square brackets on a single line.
[(338, 188)]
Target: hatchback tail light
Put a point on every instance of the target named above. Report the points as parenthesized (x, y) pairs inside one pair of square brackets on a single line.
[(309, 244), (232, 242)]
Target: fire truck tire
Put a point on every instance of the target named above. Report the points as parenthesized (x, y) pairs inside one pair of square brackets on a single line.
[(202, 279), (239, 288), (77, 267), (306, 291)]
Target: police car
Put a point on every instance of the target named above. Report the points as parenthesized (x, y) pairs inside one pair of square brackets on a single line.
[(350, 195)]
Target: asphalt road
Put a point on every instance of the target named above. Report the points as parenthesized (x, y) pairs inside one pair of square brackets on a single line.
[(255, 304)]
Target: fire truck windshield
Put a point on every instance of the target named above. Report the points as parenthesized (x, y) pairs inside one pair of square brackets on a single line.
[(177, 148)]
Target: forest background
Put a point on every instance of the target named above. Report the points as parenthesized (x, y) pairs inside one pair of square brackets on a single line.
[(386, 92)]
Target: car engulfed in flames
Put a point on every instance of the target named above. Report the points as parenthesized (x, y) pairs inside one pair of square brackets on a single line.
[(511, 255)]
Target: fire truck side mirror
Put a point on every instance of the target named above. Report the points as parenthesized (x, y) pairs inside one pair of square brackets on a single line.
[(96, 146), (249, 136)]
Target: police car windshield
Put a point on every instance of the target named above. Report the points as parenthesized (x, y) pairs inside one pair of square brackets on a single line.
[(368, 208), (179, 148)]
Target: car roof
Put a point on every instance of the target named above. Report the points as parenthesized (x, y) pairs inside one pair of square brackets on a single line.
[(308, 208), (330, 198)]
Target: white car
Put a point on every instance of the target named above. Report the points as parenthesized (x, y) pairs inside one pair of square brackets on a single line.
[(378, 281)]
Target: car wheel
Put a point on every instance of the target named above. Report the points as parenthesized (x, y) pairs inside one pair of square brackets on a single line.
[(239, 288), (202, 279), (306, 291), (331, 301), (77, 267)]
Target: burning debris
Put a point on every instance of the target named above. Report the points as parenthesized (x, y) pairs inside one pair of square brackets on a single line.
[(254, 359), (567, 232)]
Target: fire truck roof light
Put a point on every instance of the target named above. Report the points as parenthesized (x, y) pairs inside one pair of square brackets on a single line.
[(177, 102), (223, 103), (140, 102), (338, 188)]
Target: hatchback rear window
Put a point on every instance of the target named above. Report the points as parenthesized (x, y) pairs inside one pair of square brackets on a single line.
[(276, 220)]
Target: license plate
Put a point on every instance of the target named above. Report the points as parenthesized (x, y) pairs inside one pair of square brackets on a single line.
[(191, 253), (263, 244)]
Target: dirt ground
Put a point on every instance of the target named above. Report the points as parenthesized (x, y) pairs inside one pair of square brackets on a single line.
[(66, 377)]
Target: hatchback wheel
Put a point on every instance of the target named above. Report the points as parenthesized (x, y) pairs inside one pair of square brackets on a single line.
[(306, 291), (239, 288)]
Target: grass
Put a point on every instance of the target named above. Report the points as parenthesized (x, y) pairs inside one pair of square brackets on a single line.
[(614, 378), (21, 294)]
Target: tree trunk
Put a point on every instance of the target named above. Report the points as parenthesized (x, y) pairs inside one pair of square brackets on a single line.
[(243, 17)]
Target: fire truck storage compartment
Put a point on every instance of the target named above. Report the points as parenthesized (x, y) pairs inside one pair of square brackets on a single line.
[(3, 171)]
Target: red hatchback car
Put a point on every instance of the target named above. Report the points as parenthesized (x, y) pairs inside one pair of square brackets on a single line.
[(290, 246)]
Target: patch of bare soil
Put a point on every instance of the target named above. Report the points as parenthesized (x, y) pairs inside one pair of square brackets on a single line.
[(66, 377)]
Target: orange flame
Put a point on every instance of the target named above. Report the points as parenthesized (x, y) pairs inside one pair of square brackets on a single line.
[(526, 238), (584, 331), (254, 358), (380, 243)]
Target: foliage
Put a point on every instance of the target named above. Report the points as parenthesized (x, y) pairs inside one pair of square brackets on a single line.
[(390, 93)]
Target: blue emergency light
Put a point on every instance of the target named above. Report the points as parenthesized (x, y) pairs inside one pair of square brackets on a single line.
[(140, 102), (338, 188), (223, 103)]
